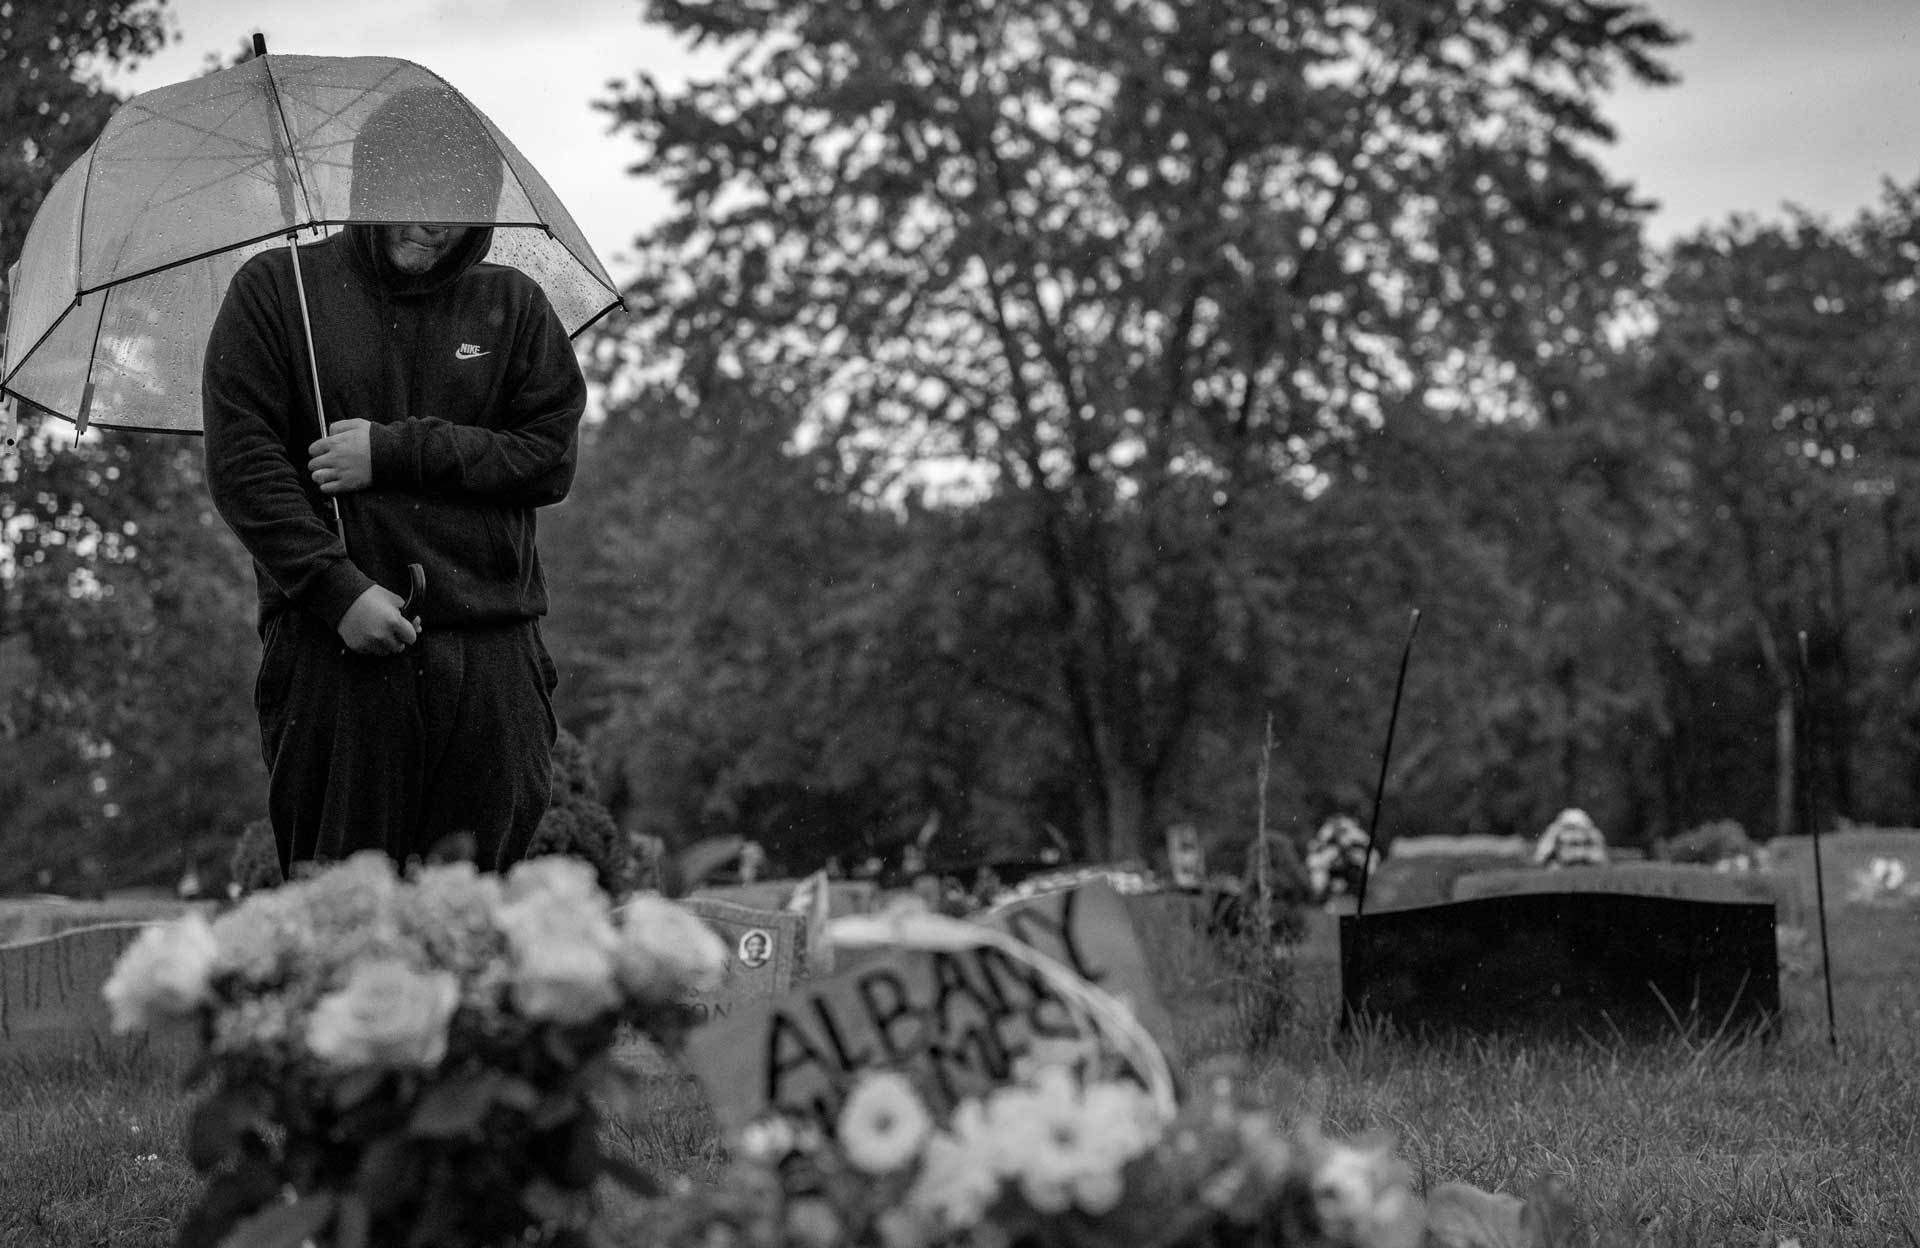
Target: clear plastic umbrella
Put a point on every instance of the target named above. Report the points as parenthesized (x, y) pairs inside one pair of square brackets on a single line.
[(130, 254)]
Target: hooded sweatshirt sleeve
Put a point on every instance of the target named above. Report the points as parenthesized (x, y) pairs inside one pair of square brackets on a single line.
[(249, 397), (527, 455)]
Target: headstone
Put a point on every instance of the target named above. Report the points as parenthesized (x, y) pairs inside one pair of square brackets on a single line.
[(1425, 880), (957, 1019), (1565, 963), (1186, 859), (763, 947), (50, 998), (843, 896), (31, 918), (1640, 879)]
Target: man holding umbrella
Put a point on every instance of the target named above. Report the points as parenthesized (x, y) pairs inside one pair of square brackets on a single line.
[(452, 400)]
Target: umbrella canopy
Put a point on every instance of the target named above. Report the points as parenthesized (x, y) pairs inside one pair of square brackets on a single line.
[(129, 256)]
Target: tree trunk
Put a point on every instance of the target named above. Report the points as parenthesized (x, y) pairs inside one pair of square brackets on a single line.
[(1129, 814)]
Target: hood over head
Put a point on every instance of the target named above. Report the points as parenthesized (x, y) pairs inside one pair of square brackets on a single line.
[(423, 155)]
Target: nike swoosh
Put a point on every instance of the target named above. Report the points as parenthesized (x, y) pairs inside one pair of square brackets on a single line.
[(468, 352)]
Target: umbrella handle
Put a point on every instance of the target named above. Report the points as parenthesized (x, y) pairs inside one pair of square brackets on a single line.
[(416, 590)]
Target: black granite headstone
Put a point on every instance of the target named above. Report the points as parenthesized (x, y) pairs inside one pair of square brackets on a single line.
[(1567, 964)]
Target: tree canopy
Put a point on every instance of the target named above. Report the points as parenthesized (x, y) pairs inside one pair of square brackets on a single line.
[(1159, 283)]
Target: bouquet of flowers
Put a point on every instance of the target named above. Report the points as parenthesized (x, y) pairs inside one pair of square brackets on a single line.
[(1088, 1144), (412, 1061), (1063, 1155)]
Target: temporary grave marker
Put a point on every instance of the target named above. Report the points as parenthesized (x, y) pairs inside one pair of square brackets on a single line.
[(50, 998), (1567, 962), (959, 1018), (1089, 929)]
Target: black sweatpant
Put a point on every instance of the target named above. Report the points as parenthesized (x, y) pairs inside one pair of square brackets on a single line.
[(398, 752)]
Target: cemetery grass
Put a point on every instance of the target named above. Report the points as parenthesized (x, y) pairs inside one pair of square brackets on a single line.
[(1700, 1140)]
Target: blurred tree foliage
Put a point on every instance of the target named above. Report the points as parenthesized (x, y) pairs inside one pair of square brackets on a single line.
[(1162, 301), (127, 750), (1023, 402)]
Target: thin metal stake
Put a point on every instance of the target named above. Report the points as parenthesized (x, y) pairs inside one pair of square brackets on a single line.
[(1386, 753), (1812, 821)]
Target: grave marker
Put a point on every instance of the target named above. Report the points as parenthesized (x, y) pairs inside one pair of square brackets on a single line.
[(1568, 962), (762, 949), (958, 1019), (50, 998)]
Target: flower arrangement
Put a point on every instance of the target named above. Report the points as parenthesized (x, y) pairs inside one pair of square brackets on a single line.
[(1338, 858), (412, 1061), (1088, 1145), (1066, 1154), (1571, 840), (1883, 882)]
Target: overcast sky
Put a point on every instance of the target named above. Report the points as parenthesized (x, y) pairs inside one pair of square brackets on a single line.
[(1808, 101)]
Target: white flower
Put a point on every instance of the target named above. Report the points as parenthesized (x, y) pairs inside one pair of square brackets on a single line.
[(666, 952), (883, 1123), (1361, 1196), (1067, 1146), (959, 1177), (163, 974), (1121, 1119), (1041, 1128), (558, 875), (563, 957), (388, 1015)]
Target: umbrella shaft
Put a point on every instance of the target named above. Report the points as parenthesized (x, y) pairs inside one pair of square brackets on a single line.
[(313, 367)]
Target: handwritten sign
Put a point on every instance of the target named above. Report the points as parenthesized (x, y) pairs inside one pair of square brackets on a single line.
[(959, 1019), (50, 993), (1089, 930)]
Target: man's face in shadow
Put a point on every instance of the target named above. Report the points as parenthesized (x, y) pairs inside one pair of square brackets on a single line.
[(414, 248)]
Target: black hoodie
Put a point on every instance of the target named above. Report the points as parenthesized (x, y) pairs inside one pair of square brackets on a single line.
[(475, 398)]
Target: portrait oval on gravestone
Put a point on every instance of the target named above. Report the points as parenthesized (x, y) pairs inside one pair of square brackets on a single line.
[(756, 947)]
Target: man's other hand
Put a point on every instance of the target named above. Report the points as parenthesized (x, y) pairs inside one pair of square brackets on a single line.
[(374, 625), (343, 460)]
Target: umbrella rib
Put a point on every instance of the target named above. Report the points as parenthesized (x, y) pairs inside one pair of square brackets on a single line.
[(590, 322), (27, 355), (283, 157), (487, 125), (277, 233)]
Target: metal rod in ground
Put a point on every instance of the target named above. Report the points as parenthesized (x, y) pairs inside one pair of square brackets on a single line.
[(1262, 861), (1811, 819), (1386, 753)]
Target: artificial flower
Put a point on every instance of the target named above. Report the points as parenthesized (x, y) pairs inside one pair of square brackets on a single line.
[(883, 1123), (959, 1176)]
